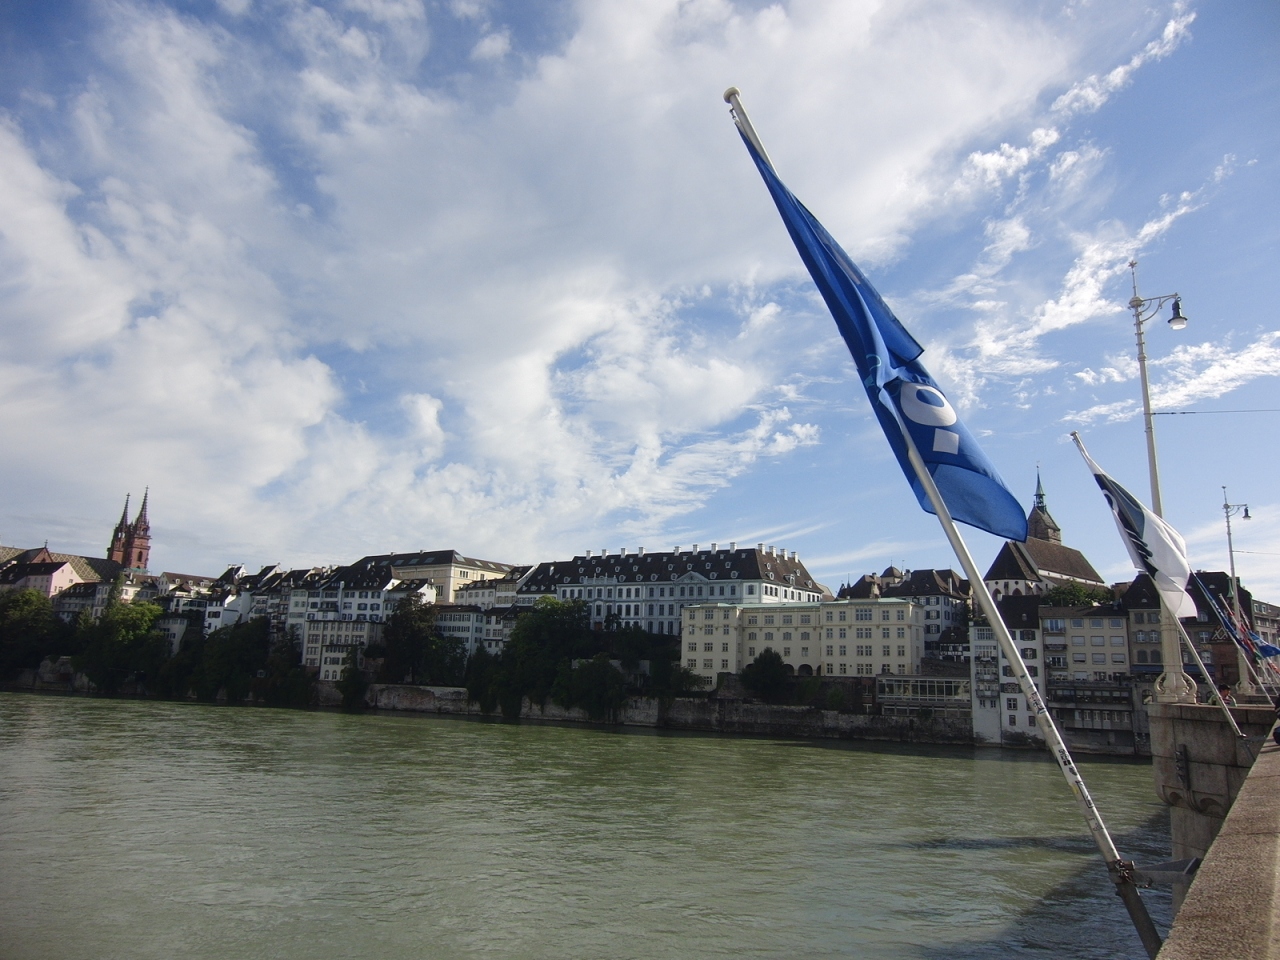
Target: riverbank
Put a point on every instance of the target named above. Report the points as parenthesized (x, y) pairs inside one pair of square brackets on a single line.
[(721, 715)]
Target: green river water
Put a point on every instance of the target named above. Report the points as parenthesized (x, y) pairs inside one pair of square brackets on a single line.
[(141, 830)]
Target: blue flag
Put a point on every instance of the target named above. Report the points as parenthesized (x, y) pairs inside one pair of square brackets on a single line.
[(901, 391)]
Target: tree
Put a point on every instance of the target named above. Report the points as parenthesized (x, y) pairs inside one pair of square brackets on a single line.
[(482, 680), (29, 630), (766, 676), (406, 637), (1075, 595), (121, 644), (595, 685), (353, 685), (553, 632)]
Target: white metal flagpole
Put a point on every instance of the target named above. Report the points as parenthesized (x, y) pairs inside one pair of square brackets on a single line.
[(1119, 869)]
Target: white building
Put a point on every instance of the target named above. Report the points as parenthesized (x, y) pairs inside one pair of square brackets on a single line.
[(650, 590), (820, 638)]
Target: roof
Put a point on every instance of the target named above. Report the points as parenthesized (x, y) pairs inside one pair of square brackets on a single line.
[(930, 583), (1042, 560), (86, 568), (752, 563), (20, 571), (432, 558)]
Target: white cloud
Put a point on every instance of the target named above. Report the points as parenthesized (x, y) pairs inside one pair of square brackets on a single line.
[(492, 46), (1090, 94), (233, 228)]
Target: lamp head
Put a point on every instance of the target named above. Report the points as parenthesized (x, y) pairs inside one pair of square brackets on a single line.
[(1177, 321)]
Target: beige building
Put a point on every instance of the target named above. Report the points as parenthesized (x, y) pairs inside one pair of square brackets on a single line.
[(825, 638)]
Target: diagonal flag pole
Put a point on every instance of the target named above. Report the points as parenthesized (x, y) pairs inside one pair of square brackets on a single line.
[(1156, 549), (1118, 869), (983, 499)]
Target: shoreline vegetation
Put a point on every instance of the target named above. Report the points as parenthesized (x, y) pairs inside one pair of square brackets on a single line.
[(554, 667)]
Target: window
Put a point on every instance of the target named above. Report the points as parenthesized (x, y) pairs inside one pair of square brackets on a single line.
[(830, 650), (842, 615), (1099, 658), (724, 648), (1077, 622), (693, 647), (1117, 658), (1029, 653), (1117, 641), (804, 651), (768, 619), (724, 664), (1013, 720), (902, 632), (844, 633), (786, 619), (751, 652), (1097, 641), (1078, 658), (884, 651), (1077, 641), (884, 614), (752, 620), (708, 647), (902, 615), (828, 616), (1011, 703), (806, 618), (1115, 623), (1028, 636), (862, 613), (786, 651), (708, 664), (902, 650), (844, 651), (844, 668)]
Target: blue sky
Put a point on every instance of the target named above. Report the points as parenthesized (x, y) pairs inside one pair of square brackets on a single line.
[(348, 277)]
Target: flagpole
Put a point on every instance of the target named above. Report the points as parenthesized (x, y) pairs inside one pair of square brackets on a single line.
[(743, 122), (1226, 711), (1119, 869)]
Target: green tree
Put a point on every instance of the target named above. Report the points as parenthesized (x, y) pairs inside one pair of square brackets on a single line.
[(406, 638), (1075, 595), (232, 658), (285, 682), (122, 644), (766, 676), (353, 685), (595, 685), (553, 632), (29, 631), (482, 678)]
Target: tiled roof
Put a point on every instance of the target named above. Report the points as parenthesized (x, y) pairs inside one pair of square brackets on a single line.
[(432, 558), (930, 583), (1042, 560), (741, 564)]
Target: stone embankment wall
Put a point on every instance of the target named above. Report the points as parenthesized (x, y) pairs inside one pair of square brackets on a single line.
[(693, 713), (1232, 911)]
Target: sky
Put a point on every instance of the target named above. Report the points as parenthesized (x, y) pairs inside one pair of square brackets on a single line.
[(340, 278)]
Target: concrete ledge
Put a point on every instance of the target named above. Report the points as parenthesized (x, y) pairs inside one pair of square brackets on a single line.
[(1230, 912)]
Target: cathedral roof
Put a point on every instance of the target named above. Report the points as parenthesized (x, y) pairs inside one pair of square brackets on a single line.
[(1042, 560)]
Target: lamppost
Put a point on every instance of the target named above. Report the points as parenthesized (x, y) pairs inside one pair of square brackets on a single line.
[(1173, 685), (1245, 686), (1144, 308)]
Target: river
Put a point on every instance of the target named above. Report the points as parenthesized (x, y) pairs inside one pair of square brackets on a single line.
[(140, 829)]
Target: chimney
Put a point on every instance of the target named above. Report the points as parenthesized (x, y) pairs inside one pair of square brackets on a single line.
[(713, 546), (640, 551), (760, 547), (604, 552), (676, 551), (695, 548), (733, 545), (622, 551), (588, 554)]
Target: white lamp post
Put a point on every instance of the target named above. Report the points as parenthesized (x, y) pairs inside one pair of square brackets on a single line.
[(1173, 685), (1245, 686)]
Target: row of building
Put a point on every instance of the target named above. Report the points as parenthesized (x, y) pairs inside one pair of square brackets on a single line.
[(905, 638)]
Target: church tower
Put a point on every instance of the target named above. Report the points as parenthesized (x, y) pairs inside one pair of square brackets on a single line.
[(1039, 524), (131, 542)]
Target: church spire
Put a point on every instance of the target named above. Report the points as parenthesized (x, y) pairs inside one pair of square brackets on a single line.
[(141, 526), (1039, 523)]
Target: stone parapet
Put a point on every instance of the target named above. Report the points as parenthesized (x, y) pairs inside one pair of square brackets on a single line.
[(1200, 765), (1230, 912)]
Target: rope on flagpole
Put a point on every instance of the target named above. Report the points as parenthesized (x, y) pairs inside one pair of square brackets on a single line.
[(1119, 869)]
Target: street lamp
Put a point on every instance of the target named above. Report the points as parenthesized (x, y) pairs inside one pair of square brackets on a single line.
[(1173, 685), (1144, 308), (1245, 685)]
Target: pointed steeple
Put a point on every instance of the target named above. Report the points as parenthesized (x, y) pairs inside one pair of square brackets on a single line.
[(141, 526), (124, 516), (1039, 523)]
